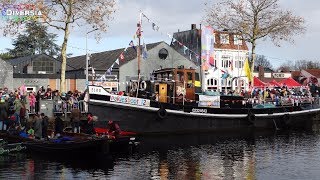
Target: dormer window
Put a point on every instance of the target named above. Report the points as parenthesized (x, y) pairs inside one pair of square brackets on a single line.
[(224, 38), (237, 40)]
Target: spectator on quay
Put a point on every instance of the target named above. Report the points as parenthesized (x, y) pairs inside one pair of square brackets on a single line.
[(32, 102), (57, 102), (37, 103), (4, 111), (17, 108)]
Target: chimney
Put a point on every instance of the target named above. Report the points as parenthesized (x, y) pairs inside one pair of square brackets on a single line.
[(193, 26), (261, 72)]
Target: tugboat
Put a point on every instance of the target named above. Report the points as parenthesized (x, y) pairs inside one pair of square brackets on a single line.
[(168, 103)]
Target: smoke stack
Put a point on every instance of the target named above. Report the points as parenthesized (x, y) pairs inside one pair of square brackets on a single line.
[(193, 26), (261, 72)]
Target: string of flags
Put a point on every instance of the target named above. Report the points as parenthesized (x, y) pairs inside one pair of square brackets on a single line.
[(121, 57), (186, 50), (155, 27)]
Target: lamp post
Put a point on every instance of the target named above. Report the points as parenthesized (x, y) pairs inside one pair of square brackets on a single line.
[(87, 56)]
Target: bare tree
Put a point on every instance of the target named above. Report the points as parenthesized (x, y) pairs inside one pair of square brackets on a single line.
[(261, 60), (255, 19), (285, 67), (306, 64), (63, 15)]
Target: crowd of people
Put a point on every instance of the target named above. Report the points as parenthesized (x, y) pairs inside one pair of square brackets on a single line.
[(20, 112), (276, 95)]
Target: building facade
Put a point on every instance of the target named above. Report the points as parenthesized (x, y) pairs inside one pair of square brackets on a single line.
[(42, 70), (230, 52), (6, 75), (159, 55)]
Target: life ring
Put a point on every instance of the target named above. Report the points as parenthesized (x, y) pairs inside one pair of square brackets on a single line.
[(251, 117), (134, 86), (143, 85), (162, 113)]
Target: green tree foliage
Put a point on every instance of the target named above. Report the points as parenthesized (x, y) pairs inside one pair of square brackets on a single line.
[(6, 56), (35, 40)]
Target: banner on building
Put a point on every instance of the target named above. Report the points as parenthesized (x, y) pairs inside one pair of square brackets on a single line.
[(207, 47)]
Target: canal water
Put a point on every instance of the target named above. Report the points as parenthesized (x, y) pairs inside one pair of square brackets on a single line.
[(250, 155)]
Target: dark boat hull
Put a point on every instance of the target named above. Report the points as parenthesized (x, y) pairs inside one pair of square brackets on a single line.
[(146, 119), (65, 148)]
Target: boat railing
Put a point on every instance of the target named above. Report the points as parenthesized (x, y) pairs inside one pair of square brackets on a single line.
[(284, 101), (66, 107)]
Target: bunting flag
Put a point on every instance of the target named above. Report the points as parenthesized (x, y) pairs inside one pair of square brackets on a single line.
[(144, 51), (247, 70), (138, 32), (109, 71), (117, 61), (185, 49), (121, 57), (132, 45), (93, 72), (155, 27)]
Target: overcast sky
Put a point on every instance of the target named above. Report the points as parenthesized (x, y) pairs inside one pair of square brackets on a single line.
[(172, 15)]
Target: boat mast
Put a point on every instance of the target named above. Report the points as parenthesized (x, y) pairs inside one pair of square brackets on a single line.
[(139, 25), (202, 76)]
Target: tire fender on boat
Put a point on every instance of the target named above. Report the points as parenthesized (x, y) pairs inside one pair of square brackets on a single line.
[(162, 113), (143, 85), (134, 86)]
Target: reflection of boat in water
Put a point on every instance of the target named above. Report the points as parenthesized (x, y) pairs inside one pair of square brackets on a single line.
[(169, 103)]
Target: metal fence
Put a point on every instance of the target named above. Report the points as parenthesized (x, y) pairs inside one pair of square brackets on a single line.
[(66, 107)]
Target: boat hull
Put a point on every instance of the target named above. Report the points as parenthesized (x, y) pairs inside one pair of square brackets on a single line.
[(147, 120), (66, 148)]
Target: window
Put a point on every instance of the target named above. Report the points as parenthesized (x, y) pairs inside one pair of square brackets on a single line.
[(224, 38), (43, 66), (212, 82), (239, 64), (225, 61), (237, 40)]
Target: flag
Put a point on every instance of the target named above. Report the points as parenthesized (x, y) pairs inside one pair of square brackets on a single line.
[(117, 61), (185, 49), (144, 51), (132, 45), (225, 74), (93, 72), (121, 56), (138, 33), (247, 70), (153, 26), (109, 71)]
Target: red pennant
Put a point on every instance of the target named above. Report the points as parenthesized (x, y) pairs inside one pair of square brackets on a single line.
[(121, 56)]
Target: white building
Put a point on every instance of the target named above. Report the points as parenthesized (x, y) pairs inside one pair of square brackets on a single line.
[(230, 52)]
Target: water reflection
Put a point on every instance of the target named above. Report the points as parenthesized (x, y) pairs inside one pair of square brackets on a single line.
[(252, 155)]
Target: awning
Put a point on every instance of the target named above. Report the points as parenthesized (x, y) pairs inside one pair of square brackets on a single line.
[(258, 83), (289, 82), (274, 83)]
